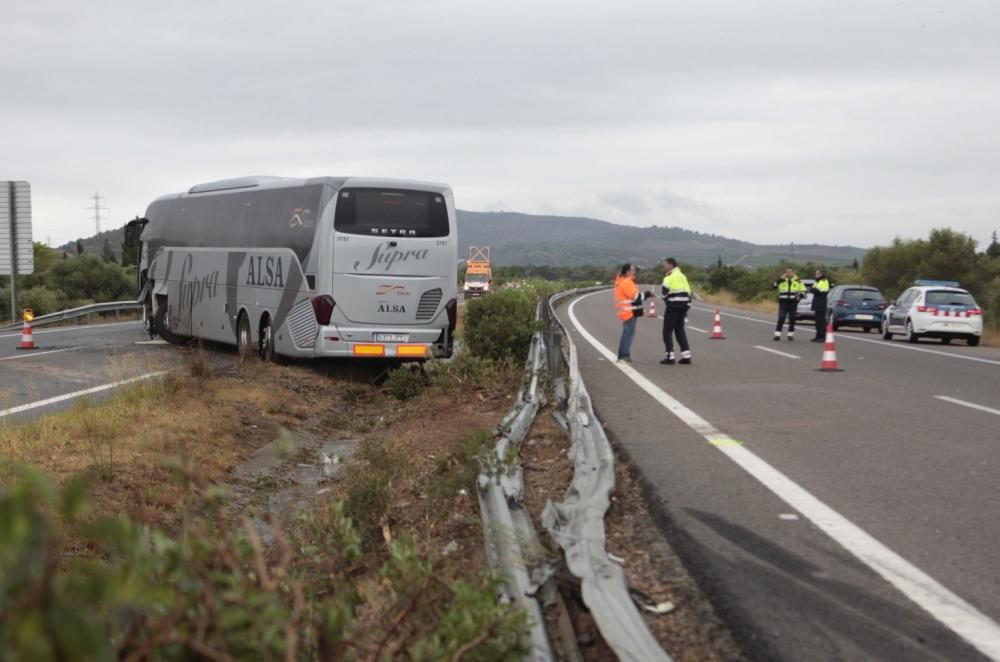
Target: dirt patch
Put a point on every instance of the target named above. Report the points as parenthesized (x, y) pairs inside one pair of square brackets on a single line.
[(692, 631)]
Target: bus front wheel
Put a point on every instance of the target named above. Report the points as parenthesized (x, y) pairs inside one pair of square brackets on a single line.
[(162, 327)]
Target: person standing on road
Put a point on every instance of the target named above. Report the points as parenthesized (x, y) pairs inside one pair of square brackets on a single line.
[(628, 304), (676, 293), (790, 290), (819, 291)]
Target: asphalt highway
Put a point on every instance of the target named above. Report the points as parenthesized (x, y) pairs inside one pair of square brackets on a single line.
[(830, 516), (70, 362)]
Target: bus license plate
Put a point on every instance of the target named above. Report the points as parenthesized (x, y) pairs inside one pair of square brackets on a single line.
[(865, 317), (392, 337)]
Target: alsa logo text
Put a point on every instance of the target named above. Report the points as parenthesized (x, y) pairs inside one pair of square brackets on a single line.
[(391, 308), (265, 271)]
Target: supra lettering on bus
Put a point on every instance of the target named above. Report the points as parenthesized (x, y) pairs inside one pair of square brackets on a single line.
[(195, 290), (384, 256), (265, 271)]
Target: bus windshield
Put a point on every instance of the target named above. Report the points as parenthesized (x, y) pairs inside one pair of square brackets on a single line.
[(391, 212)]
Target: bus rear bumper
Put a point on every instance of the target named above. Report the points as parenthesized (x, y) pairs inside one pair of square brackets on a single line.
[(367, 343)]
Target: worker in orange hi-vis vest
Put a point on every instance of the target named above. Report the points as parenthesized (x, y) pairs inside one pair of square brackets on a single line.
[(628, 305)]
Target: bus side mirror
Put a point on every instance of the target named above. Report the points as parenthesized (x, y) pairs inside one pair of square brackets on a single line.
[(133, 230)]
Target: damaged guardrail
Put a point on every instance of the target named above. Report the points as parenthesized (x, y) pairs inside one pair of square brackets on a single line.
[(510, 539), (577, 524)]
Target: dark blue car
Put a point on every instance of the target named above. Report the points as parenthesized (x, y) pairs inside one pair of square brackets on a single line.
[(856, 305)]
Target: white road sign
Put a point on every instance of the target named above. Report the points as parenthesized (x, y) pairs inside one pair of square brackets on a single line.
[(15, 228)]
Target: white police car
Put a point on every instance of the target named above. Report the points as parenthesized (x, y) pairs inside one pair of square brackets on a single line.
[(934, 309)]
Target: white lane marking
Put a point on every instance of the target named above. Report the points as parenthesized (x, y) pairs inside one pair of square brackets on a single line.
[(947, 607), (81, 327), (971, 405), (28, 355), (774, 351), (880, 343), (76, 394), (694, 328), (788, 517)]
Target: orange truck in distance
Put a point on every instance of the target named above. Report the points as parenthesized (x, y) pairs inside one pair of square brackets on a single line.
[(478, 274)]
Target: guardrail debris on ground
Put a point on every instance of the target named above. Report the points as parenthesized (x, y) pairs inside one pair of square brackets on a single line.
[(576, 524)]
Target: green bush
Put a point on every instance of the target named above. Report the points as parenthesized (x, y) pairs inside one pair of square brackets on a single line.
[(500, 326), (40, 299), (368, 489), (459, 468), (215, 591), (463, 373), (404, 383)]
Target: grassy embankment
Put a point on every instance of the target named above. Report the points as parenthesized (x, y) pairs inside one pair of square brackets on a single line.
[(200, 536)]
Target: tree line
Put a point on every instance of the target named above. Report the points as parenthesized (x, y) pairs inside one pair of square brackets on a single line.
[(62, 281)]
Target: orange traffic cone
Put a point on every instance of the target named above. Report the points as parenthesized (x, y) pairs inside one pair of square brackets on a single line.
[(27, 339), (717, 327), (829, 362), (652, 307)]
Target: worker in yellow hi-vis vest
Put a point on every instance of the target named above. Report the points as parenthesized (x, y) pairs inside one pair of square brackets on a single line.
[(790, 290), (676, 293)]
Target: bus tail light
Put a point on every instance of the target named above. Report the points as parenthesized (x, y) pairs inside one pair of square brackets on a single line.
[(452, 308), (323, 308)]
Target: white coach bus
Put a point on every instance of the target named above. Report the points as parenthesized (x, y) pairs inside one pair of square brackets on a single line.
[(321, 267)]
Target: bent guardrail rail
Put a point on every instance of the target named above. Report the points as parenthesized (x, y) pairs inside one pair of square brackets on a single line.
[(506, 525), (577, 524), (81, 311)]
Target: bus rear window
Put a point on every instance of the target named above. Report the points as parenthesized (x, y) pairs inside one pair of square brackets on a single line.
[(391, 213)]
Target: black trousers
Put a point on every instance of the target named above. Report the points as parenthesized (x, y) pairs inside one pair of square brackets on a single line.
[(787, 309), (821, 323), (673, 324)]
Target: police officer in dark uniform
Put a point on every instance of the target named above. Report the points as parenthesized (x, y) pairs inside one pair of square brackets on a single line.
[(820, 290)]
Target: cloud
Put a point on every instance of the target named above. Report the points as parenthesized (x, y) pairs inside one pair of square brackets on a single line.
[(775, 122)]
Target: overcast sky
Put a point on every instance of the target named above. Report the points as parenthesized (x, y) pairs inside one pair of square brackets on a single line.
[(832, 122)]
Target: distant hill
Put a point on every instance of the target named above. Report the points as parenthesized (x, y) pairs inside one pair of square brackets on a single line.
[(527, 239), (523, 239), (94, 245)]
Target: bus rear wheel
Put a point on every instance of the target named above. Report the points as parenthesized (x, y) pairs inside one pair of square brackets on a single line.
[(265, 342), (243, 337)]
